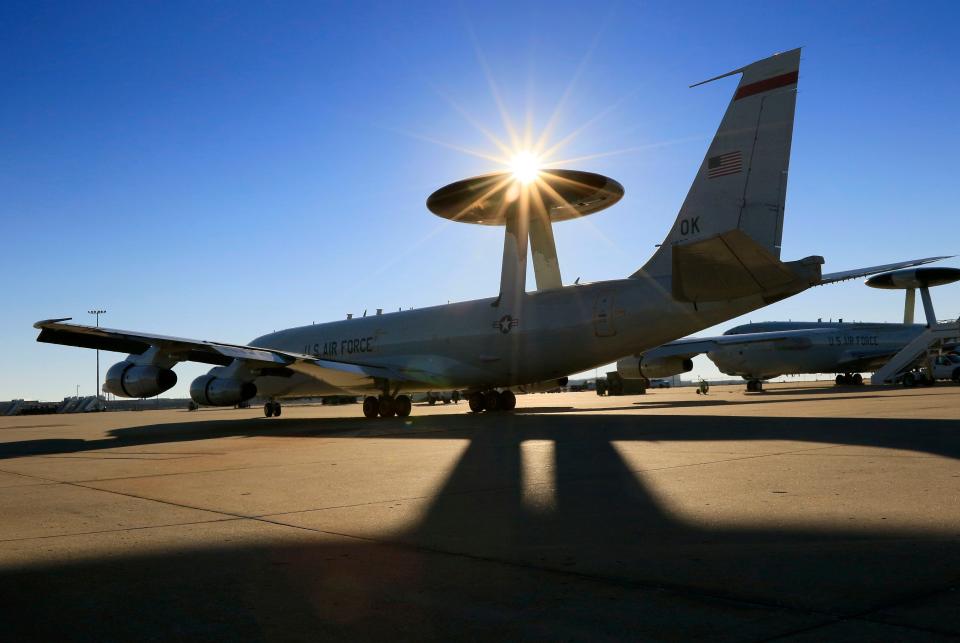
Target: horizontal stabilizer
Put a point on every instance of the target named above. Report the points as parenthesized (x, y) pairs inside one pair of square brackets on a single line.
[(728, 266)]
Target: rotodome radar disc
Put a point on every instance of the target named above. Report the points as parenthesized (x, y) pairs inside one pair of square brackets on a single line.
[(914, 278), (492, 198)]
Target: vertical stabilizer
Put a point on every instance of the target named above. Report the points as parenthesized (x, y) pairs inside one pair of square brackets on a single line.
[(742, 181)]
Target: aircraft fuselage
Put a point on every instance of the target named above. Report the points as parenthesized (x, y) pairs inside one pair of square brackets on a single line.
[(487, 343), (830, 347)]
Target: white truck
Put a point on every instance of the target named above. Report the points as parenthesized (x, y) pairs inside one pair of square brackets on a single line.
[(947, 367)]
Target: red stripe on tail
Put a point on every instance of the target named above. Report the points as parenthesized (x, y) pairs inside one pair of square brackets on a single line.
[(766, 85)]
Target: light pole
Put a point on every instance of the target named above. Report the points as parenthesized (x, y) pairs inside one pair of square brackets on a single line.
[(96, 389)]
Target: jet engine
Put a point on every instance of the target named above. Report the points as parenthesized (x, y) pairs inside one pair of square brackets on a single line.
[(210, 390), (541, 387), (126, 379), (633, 368)]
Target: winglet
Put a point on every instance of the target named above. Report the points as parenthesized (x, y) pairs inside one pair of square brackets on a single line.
[(45, 322)]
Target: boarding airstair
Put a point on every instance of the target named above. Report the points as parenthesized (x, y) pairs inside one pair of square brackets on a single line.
[(13, 408), (921, 349)]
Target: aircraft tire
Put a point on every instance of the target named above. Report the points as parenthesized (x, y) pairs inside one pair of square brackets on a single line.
[(857, 379), (476, 402), (491, 401), (371, 407), (386, 407), (268, 409), (956, 376), (508, 401), (909, 380), (276, 409), (840, 380), (402, 406)]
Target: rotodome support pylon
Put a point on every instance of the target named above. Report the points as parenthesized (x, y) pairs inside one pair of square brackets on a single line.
[(527, 210)]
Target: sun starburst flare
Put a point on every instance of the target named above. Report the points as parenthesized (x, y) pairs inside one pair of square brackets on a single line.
[(525, 167)]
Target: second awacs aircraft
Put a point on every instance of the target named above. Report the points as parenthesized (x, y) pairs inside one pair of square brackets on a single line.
[(720, 259), (764, 350)]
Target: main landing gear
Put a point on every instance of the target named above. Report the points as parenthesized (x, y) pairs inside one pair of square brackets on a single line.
[(846, 378), (272, 409), (913, 378), (754, 386), (387, 406), (491, 401)]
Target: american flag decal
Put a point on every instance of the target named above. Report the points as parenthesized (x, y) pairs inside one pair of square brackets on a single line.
[(724, 164)]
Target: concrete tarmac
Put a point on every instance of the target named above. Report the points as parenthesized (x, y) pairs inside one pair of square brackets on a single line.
[(804, 513)]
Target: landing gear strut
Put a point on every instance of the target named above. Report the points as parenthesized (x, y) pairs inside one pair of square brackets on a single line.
[(272, 409), (491, 401)]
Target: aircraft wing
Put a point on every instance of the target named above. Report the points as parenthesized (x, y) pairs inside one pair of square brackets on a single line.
[(833, 277), (54, 331), (786, 339)]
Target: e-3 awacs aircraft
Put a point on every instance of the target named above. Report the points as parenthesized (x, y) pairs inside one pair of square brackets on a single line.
[(764, 350), (719, 260)]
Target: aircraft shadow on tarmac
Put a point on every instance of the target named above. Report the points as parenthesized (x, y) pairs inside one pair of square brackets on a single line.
[(482, 553)]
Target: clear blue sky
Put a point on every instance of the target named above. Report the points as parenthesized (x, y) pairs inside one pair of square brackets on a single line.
[(221, 170)]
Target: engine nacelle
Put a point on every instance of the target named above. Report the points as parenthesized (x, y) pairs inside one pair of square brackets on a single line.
[(541, 387), (633, 368), (210, 390), (126, 379)]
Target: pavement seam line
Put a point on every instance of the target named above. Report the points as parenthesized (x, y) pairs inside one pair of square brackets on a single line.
[(121, 529), (855, 618), (680, 590), (31, 476)]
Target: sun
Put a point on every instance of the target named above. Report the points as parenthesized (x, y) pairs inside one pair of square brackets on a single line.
[(525, 167)]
